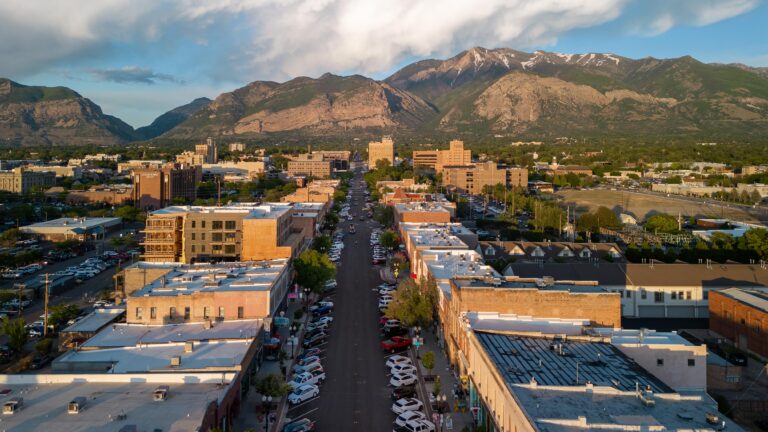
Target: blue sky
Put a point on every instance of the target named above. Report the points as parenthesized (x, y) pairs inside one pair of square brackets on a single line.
[(140, 58)]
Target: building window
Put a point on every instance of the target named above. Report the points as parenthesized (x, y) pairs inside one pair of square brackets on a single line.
[(193, 236), (229, 237), (202, 224), (152, 312), (229, 249), (186, 312), (643, 294), (240, 312), (206, 312), (202, 236), (230, 225), (658, 297), (216, 248), (673, 295), (193, 248), (628, 293), (691, 362), (172, 312), (217, 225), (687, 295), (659, 362), (193, 224), (138, 313), (202, 248), (221, 311), (217, 237), (743, 321), (680, 295), (705, 294)]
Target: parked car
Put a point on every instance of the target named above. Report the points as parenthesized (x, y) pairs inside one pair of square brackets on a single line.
[(398, 359), (399, 380), (403, 368), (300, 425), (307, 378), (314, 341), (309, 353), (407, 416), (395, 331), (305, 361), (407, 404), (403, 392), (303, 393), (416, 426), (395, 344), (325, 310), (318, 325)]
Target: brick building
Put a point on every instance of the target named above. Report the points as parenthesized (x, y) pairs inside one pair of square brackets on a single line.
[(155, 188), (381, 150), (473, 178), (421, 212), (310, 165), (109, 194), (456, 155), (236, 232), (741, 315)]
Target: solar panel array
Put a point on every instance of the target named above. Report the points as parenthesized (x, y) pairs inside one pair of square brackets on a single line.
[(554, 363)]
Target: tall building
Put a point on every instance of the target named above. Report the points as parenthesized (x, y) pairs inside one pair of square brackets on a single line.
[(237, 232), (208, 150), (456, 155), (155, 188), (310, 165), (381, 150), (21, 180), (473, 178), (236, 147)]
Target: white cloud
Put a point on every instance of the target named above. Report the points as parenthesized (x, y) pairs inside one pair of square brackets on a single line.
[(284, 38)]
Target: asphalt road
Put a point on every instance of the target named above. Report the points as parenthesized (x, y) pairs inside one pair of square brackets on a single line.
[(355, 395)]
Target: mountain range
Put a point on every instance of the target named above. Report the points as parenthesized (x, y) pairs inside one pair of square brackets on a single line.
[(481, 92)]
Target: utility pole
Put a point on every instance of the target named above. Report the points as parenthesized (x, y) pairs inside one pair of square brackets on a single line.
[(45, 317), (218, 195)]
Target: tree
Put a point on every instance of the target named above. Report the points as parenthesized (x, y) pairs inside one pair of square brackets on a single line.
[(313, 269), (661, 222), (16, 332), (384, 215), (44, 346), (428, 361), (9, 237), (127, 213), (62, 313), (272, 385), (321, 243), (413, 304), (388, 239)]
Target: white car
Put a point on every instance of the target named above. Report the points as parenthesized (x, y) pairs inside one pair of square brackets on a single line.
[(402, 379), (398, 359), (403, 368), (319, 305), (407, 404), (325, 319), (407, 416), (417, 426), (306, 364), (303, 393), (385, 298), (307, 378), (322, 325)]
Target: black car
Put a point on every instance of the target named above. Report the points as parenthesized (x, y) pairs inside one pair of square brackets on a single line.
[(310, 334), (395, 331), (404, 392), (315, 340)]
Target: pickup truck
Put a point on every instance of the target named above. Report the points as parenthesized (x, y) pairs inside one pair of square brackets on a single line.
[(316, 378), (397, 343)]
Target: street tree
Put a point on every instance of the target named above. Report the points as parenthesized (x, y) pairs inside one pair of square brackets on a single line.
[(272, 385), (413, 304), (388, 239), (16, 332), (662, 223), (321, 243), (313, 269)]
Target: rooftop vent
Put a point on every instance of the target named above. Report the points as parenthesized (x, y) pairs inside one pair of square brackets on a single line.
[(175, 361), (160, 394), (207, 324), (189, 347), (76, 405), (13, 405)]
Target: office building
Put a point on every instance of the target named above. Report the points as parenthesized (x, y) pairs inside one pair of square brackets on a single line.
[(310, 165), (381, 150), (236, 232), (473, 178), (208, 150), (741, 315), (155, 188), (199, 293), (421, 212), (84, 228), (117, 194), (76, 172), (339, 158), (24, 181), (456, 155), (419, 237)]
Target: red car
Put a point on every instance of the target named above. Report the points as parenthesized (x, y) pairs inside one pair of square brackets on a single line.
[(397, 343)]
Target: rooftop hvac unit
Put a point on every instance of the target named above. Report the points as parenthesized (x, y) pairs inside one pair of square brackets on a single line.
[(207, 324), (160, 394), (13, 405), (647, 398), (76, 405), (189, 347), (175, 361)]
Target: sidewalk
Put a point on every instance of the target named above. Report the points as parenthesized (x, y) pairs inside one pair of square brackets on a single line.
[(453, 417), (251, 415)]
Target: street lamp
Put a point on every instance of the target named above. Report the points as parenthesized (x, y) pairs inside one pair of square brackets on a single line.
[(267, 401), (306, 297)]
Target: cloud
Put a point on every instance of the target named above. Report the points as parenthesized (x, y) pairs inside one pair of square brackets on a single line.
[(133, 74), (242, 40)]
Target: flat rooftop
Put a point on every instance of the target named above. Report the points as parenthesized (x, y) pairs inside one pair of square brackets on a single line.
[(530, 284), (753, 297), (431, 207), (96, 320), (453, 228), (241, 276), (131, 335), (253, 210), (70, 223), (519, 359), (45, 404), (448, 266)]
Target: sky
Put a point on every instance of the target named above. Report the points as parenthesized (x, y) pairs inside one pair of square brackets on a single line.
[(140, 58)]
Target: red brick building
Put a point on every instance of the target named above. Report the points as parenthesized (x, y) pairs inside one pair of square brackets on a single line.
[(741, 315)]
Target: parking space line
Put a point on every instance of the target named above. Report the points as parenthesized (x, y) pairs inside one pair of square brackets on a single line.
[(304, 403), (299, 416)]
